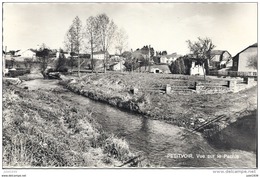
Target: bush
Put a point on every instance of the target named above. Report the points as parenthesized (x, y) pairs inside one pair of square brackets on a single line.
[(181, 66), (117, 148), (62, 69), (28, 62), (15, 73)]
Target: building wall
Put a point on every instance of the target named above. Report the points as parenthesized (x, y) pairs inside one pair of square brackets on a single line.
[(170, 60), (99, 56), (243, 59), (225, 56), (197, 69), (163, 59), (28, 54), (118, 67), (216, 58), (235, 63)]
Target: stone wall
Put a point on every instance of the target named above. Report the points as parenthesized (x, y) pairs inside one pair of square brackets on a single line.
[(208, 88)]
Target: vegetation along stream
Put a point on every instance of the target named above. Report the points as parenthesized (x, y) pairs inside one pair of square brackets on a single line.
[(166, 145)]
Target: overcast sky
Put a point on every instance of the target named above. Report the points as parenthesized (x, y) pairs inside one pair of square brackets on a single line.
[(165, 26)]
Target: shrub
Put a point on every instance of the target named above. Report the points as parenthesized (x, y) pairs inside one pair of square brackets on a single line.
[(117, 148), (15, 73)]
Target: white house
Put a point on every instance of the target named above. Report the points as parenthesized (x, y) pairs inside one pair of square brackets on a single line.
[(29, 53), (66, 54), (197, 69), (168, 59), (100, 55), (118, 66)]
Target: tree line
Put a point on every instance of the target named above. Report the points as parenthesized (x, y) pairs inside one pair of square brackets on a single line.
[(98, 34)]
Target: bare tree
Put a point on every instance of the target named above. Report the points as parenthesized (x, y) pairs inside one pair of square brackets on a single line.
[(121, 40), (92, 36), (201, 50), (69, 39), (106, 31), (43, 58), (74, 38)]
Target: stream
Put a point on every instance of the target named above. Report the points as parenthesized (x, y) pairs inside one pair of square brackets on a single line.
[(166, 145)]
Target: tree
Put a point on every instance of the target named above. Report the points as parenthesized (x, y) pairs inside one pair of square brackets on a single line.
[(181, 65), (43, 57), (92, 36), (60, 64), (74, 38), (121, 40), (164, 52), (201, 50), (131, 62), (28, 62), (252, 61), (106, 31)]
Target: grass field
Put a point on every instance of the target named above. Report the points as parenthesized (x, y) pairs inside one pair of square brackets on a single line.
[(40, 129), (187, 110)]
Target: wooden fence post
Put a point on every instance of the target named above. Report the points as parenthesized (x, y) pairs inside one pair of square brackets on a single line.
[(232, 84), (168, 89)]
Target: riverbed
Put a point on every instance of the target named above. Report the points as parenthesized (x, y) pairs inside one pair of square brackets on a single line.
[(163, 144)]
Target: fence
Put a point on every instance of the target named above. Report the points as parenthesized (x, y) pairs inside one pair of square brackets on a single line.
[(224, 86), (164, 89), (233, 73)]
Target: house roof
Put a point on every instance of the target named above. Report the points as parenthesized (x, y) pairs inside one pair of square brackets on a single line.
[(115, 63), (32, 50), (99, 52), (171, 55), (164, 68), (217, 52), (254, 45)]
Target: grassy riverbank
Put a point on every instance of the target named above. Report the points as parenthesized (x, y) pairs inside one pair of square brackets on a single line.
[(40, 129), (188, 110)]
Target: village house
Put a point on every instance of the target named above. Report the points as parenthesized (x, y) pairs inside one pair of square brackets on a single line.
[(241, 60), (118, 66), (115, 57), (65, 54), (160, 69), (29, 53), (100, 55), (197, 68), (168, 59), (219, 59)]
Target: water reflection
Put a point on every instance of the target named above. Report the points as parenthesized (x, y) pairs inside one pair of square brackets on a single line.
[(241, 135)]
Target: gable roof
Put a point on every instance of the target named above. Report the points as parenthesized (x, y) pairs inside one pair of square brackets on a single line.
[(217, 52), (254, 45), (138, 54)]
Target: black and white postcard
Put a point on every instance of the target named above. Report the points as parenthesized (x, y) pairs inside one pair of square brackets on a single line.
[(116, 85)]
